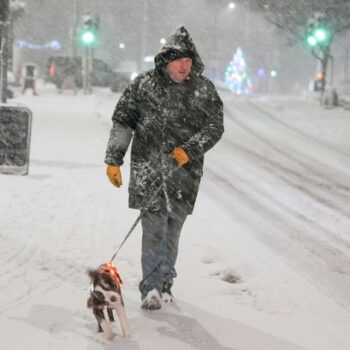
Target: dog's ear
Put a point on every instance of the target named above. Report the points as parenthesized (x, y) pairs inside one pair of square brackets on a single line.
[(92, 273)]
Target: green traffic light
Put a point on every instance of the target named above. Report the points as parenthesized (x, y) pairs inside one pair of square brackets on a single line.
[(321, 35), (88, 37), (311, 40)]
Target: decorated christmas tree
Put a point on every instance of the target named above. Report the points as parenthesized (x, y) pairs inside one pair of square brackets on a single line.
[(236, 75)]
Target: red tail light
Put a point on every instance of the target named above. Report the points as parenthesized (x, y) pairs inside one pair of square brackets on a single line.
[(52, 69)]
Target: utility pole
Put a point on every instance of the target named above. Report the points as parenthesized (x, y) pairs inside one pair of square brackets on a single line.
[(4, 24), (88, 37), (319, 36), (87, 69), (73, 30), (16, 11)]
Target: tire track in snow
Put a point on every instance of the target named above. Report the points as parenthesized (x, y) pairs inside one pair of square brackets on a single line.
[(329, 188), (309, 163), (326, 267), (40, 269), (298, 131), (292, 178), (14, 253), (330, 236), (48, 272)]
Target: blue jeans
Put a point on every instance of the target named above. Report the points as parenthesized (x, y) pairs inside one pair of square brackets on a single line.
[(160, 242)]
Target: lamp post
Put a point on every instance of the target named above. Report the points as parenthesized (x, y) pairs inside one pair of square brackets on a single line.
[(218, 8), (88, 38), (74, 29)]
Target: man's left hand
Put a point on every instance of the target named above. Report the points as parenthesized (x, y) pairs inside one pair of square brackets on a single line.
[(180, 155)]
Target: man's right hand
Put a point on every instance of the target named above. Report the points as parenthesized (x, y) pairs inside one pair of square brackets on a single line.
[(114, 174)]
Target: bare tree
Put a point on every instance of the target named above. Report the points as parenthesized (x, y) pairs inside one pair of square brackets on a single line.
[(292, 17)]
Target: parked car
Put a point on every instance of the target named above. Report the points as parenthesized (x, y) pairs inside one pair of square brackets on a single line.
[(102, 74), (121, 80), (123, 75)]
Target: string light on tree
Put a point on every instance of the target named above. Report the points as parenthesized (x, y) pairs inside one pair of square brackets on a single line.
[(236, 75)]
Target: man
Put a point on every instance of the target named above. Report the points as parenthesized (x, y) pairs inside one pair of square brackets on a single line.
[(174, 115)]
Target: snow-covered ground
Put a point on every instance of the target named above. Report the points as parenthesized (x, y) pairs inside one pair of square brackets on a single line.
[(273, 210)]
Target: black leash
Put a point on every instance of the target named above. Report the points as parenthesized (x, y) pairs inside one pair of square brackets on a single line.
[(153, 196)]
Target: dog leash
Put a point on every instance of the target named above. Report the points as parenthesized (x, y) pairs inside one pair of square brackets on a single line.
[(153, 196), (109, 266)]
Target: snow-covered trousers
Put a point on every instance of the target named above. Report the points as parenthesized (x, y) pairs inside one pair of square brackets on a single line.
[(160, 242)]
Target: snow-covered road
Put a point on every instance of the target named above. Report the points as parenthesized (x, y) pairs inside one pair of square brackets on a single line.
[(295, 181), (273, 209)]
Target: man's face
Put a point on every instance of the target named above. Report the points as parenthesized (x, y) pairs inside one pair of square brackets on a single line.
[(179, 69)]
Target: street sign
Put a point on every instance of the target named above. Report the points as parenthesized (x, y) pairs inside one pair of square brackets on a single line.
[(15, 131)]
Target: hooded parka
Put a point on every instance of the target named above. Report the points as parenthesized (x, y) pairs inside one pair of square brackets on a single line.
[(159, 115)]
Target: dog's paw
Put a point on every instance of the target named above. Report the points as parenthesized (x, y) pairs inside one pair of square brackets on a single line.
[(110, 336), (107, 330), (167, 298)]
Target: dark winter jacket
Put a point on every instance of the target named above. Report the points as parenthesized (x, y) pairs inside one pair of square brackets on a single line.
[(160, 114)]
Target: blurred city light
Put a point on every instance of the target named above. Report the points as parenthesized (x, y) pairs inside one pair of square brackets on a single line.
[(88, 37)]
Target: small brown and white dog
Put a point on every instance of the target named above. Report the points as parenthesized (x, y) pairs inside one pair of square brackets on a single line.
[(106, 295)]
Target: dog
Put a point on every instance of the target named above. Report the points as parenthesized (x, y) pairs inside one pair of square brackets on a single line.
[(106, 295)]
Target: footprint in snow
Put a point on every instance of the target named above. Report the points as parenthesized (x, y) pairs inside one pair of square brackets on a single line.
[(228, 275)]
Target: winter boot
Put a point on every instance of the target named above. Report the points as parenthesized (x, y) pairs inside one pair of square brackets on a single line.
[(166, 291), (151, 301)]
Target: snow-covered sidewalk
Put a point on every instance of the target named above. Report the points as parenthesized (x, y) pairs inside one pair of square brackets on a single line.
[(65, 217)]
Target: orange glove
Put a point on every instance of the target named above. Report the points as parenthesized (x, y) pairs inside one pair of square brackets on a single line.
[(114, 175), (180, 155)]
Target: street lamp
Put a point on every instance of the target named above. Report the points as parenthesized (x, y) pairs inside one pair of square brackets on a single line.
[(122, 46), (217, 11), (162, 41)]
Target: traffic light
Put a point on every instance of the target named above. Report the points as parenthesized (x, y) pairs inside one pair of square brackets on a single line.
[(320, 81), (88, 37), (318, 31), (88, 34), (321, 35), (311, 40)]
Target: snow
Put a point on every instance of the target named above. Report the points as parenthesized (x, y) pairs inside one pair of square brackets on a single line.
[(263, 261)]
